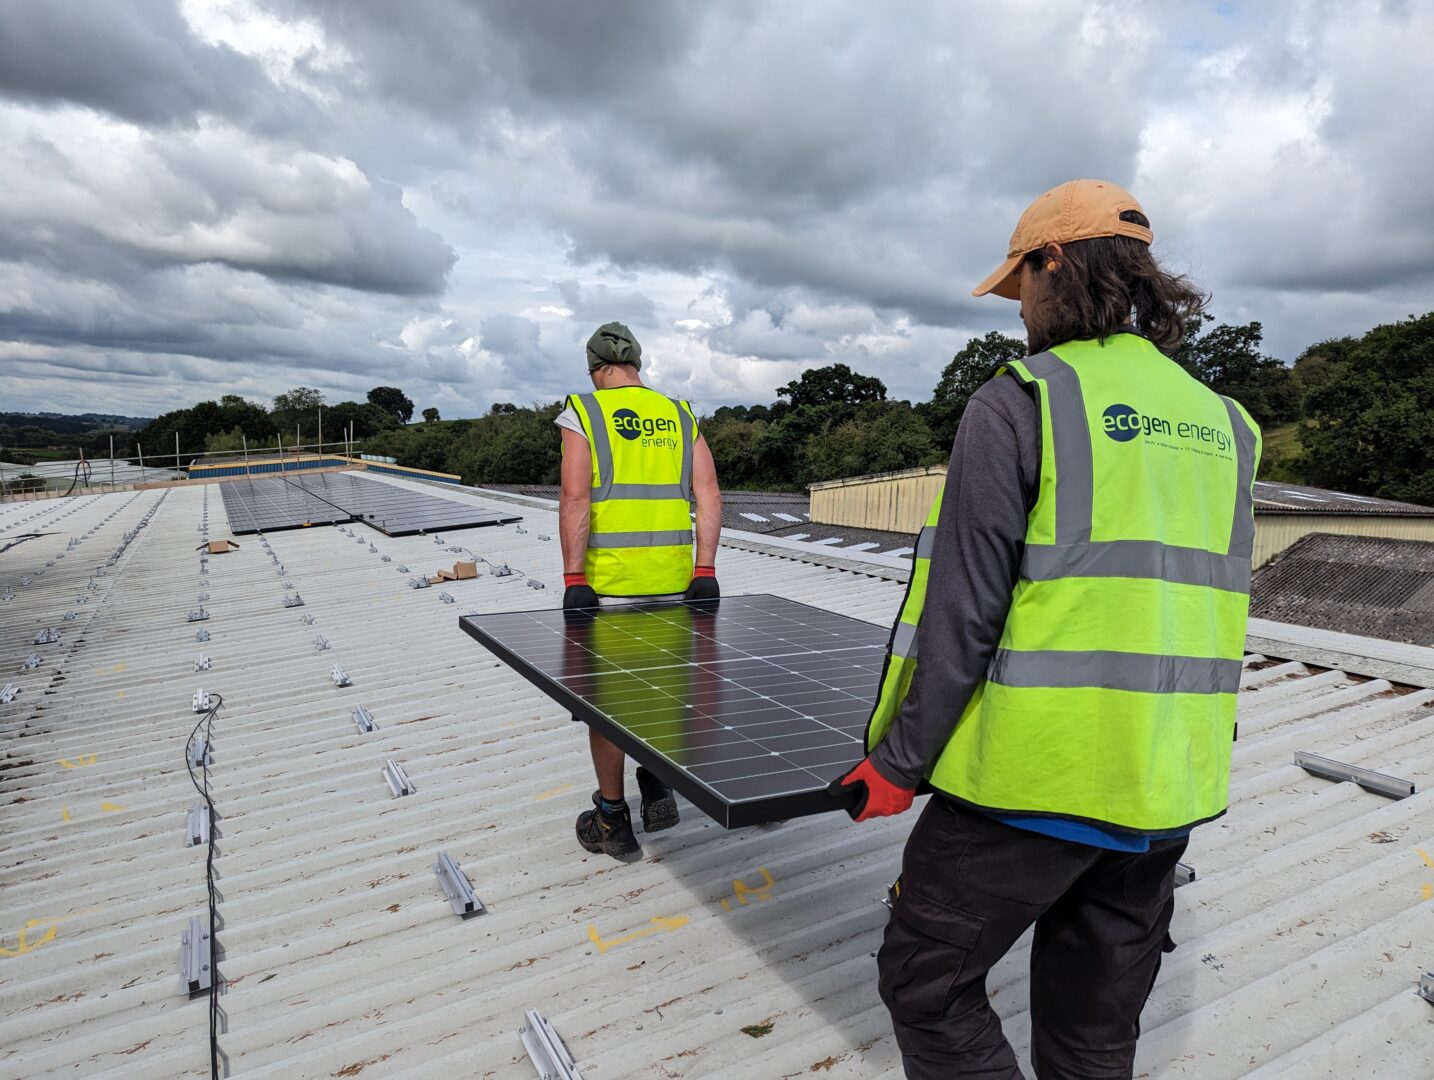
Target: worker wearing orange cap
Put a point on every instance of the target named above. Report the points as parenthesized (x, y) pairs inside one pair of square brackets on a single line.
[(1078, 608)]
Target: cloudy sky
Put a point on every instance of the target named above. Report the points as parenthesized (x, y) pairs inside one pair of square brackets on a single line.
[(240, 196)]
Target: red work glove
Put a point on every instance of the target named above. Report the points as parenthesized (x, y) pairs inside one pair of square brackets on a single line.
[(879, 796)]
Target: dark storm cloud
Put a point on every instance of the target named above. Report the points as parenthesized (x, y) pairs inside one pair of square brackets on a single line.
[(134, 59), (836, 176)]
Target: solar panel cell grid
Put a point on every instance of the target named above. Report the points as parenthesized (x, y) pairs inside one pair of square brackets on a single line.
[(275, 503), (748, 706)]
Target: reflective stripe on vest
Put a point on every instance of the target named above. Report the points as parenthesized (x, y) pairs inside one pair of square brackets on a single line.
[(639, 525), (1111, 696)]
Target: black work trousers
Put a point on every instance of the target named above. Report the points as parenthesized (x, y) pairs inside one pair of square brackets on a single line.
[(970, 887)]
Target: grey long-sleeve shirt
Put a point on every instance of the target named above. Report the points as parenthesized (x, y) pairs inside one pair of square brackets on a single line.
[(991, 486)]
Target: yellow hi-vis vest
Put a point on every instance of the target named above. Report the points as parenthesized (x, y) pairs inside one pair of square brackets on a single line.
[(640, 524), (1111, 695)]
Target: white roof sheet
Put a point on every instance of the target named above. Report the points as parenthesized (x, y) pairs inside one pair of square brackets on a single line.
[(1301, 940)]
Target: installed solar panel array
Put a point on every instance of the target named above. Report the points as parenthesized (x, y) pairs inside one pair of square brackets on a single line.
[(748, 706), (268, 505), (294, 502)]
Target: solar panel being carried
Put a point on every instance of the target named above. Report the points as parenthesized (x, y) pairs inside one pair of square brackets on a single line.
[(293, 502), (748, 706)]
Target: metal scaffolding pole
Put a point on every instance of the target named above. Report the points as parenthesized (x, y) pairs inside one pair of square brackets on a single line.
[(141, 462), (112, 462), (246, 455)]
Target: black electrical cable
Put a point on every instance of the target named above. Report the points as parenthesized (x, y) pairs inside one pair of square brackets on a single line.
[(81, 464), (207, 722)]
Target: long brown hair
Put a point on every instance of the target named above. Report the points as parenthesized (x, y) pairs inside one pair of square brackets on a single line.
[(1106, 283)]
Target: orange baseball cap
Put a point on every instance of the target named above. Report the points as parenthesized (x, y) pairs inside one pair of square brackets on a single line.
[(1076, 210)]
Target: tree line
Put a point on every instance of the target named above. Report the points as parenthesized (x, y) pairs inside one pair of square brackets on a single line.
[(1351, 413)]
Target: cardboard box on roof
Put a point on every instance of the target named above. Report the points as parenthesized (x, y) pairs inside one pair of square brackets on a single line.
[(218, 547), (463, 570)]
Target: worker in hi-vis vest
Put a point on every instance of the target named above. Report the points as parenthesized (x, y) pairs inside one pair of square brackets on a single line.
[(1063, 672), (633, 461)]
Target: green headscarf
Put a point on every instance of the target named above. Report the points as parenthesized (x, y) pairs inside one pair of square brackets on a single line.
[(613, 343)]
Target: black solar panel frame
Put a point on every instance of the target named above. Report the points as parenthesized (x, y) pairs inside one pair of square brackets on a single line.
[(715, 798)]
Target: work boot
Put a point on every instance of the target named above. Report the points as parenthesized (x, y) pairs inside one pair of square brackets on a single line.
[(605, 834), (659, 805)]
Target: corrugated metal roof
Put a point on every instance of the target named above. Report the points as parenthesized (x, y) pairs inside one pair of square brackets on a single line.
[(1301, 940), (1377, 586), (1272, 496)]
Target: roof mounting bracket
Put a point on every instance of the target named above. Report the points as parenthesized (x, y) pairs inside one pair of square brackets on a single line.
[(8, 692), (447, 598), (307, 620), (340, 676), (68, 616), (31, 662), (47, 636), (1426, 987), (1184, 874), (385, 558), (202, 663), (418, 583), (456, 888), (364, 721), (199, 754), (194, 956), (534, 583), (501, 570), (293, 600), (398, 781), (196, 824), (402, 569), (321, 643), (1379, 783), (202, 701), (201, 635), (545, 1048), (196, 615)]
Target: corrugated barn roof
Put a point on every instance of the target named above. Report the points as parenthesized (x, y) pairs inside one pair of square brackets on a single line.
[(731, 954)]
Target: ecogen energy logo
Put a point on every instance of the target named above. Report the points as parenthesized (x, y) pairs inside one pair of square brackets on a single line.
[(631, 426), (1122, 423)]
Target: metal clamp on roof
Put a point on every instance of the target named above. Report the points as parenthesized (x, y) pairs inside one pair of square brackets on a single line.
[(47, 636), (456, 888), (293, 600), (1184, 874), (447, 598), (196, 824), (199, 754), (307, 619), (545, 1048), (340, 676), (534, 583), (68, 616), (8, 692), (501, 570), (402, 569), (31, 662), (364, 721), (202, 663), (195, 954), (1426, 986), (196, 615), (202, 701), (398, 781), (385, 558), (1380, 783), (201, 635), (321, 643)]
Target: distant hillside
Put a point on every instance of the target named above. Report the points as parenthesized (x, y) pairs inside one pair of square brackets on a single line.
[(72, 424)]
